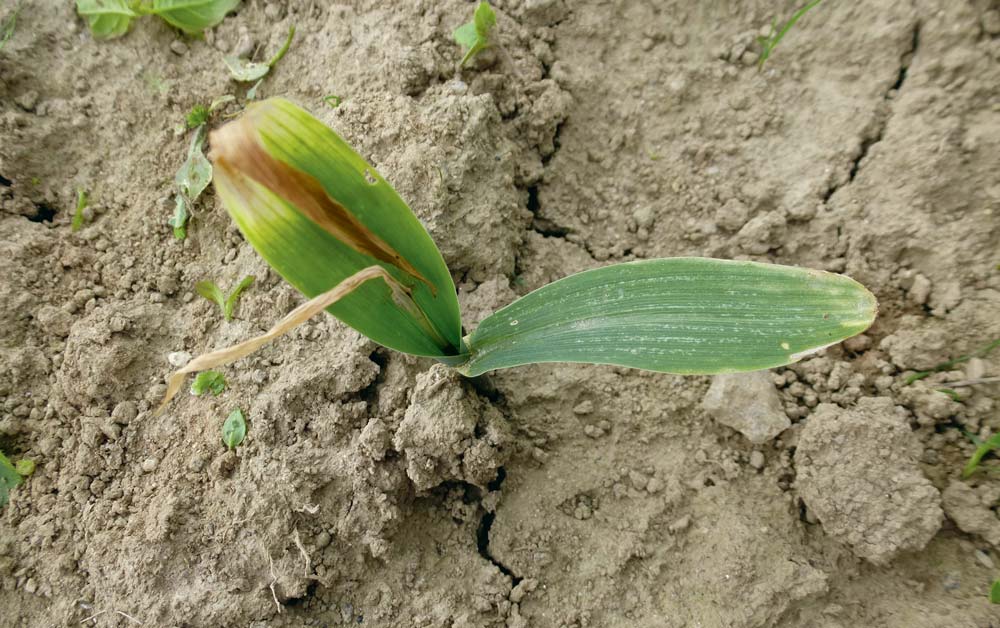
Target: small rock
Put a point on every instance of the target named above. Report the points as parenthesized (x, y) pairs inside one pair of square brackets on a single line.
[(859, 343), (149, 465), (920, 291), (178, 47), (584, 407), (756, 460), (983, 558), (643, 217), (963, 506), (124, 412), (27, 100), (680, 525), (178, 358), (732, 215), (654, 486), (747, 402), (638, 480), (322, 539), (54, 320)]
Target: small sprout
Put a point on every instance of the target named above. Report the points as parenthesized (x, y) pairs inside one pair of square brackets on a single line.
[(983, 447), (179, 220), (9, 478), (333, 100), (212, 292), (234, 430), (7, 26), (475, 35), (252, 92), (81, 204), (208, 381), (995, 592), (768, 43), (112, 18), (246, 71), (24, 467)]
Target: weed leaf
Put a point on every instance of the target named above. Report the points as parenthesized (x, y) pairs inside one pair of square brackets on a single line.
[(234, 430), (196, 172), (9, 478), (475, 35), (81, 204), (210, 291), (106, 18), (8, 25), (995, 592), (180, 217), (208, 381), (245, 71), (235, 295), (676, 315), (192, 16)]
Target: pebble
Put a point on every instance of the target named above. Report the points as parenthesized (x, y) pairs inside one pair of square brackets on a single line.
[(178, 358), (149, 465), (28, 100), (756, 460), (655, 485), (983, 558), (322, 539), (178, 47), (920, 291), (584, 407), (681, 524), (638, 480)]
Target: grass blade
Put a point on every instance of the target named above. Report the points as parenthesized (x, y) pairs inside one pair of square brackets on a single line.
[(676, 315)]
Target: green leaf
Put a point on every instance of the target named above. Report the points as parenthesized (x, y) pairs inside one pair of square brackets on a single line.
[(995, 592), (211, 292), (9, 478), (234, 430), (24, 467), (81, 204), (982, 448), (235, 295), (769, 43), (107, 18), (676, 315), (197, 116), (245, 71), (208, 381), (179, 220), (319, 213), (196, 172), (475, 35), (8, 25), (193, 16)]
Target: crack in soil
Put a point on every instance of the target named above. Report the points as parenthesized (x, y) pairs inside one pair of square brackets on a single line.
[(905, 61), (483, 533)]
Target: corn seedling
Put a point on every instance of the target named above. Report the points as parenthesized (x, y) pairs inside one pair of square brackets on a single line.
[(246, 71), (769, 43), (8, 25), (112, 18), (474, 36), (325, 220), (81, 204), (212, 292), (983, 447), (234, 430), (208, 381)]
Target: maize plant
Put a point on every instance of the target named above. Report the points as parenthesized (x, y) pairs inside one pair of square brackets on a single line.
[(328, 223)]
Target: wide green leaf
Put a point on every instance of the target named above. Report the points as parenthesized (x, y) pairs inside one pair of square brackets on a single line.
[(193, 16), (106, 18), (9, 478), (676, 315), (319, 213)]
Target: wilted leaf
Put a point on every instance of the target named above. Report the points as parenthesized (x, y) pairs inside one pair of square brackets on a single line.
[(196, 172), (245, 71)]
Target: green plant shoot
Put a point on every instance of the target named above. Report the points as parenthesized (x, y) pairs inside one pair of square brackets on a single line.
[(474, 36), (234, 429), (81, 204), (981, 352), (191, 179), (9, 479), (982, 449), (995, 592), (212, 292), (208, 381), (247, 71), (771, 41), (326, 221), (8, 25), (112, 18)]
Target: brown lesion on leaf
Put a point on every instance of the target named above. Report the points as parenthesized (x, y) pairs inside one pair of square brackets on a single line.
[(237, 151)]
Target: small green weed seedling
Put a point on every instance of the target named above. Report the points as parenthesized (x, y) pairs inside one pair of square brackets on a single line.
[(983, 447), (212, 292), (208, 381), (8, 25), (981, 352), (81, 204), (11, 475), (326, 221), (995, 592), (474, 36), (191, 180), (246, 71), (332, 100), (112, 18), (234, 430), (771, 41)]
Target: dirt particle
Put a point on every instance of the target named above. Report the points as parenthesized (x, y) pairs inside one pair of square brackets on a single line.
[(748, 403)]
